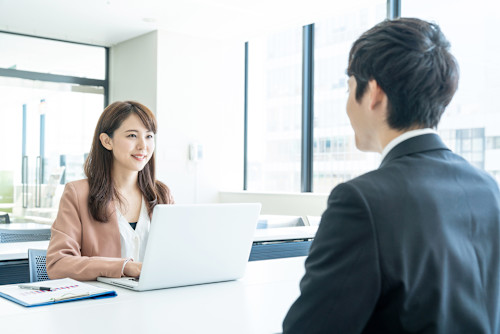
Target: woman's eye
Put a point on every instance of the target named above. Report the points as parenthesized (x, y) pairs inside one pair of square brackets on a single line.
[(131, 135)]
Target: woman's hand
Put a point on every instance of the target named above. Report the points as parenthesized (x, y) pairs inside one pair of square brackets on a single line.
[(132, 269)]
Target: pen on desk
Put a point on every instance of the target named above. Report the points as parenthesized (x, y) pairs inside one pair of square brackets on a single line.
[(34, 287)]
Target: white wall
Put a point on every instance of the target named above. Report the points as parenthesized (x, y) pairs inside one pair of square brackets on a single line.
[(200, 100), (195, 88), (133, 70)]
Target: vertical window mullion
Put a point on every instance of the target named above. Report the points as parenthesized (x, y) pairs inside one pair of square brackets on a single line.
[(307, 108), (106, 80), (393, 9), (245, 120)]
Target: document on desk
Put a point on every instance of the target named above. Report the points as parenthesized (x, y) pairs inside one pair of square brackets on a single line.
[(51, 292)]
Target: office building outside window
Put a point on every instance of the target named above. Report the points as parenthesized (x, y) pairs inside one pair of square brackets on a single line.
[(469, 126)]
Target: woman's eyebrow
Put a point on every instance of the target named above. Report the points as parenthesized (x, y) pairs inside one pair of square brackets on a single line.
[(133, 130)]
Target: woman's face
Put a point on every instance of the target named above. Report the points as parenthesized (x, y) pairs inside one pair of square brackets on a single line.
[(132, 145)]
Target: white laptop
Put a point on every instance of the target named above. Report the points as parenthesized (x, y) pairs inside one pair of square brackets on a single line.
[(194, 244)]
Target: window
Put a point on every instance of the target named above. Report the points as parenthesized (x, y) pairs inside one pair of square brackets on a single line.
[(470, 145), (341, 160), (274, 111), (274, 124), (469, 125)]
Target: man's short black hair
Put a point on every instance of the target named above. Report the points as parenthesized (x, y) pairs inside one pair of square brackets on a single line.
[(410, 60)]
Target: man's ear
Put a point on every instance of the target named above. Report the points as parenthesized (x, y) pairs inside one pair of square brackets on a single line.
[(378, 98), (106, 141)]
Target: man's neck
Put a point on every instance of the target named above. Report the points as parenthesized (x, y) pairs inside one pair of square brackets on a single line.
[(404, 136), (387, 136)]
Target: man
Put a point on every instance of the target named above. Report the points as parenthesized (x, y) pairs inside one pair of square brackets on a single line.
[(414, 246)]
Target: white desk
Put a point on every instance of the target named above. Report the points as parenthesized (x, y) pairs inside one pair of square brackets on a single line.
[(285, 233), (19, 250), (21, 224), (255, 304)]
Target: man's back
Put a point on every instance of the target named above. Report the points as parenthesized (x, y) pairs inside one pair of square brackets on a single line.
[(411, 247), (437, 220)]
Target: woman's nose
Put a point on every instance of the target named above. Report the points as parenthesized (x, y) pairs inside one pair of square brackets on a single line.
[(141, 143)]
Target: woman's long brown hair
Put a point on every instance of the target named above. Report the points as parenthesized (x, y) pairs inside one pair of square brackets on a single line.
[(99, 163)]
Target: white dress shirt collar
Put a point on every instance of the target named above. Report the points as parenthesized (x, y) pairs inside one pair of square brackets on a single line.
[(401, 138)]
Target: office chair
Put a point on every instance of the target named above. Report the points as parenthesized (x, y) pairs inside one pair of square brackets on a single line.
[(4, 219), (37, 265), (21, 235)]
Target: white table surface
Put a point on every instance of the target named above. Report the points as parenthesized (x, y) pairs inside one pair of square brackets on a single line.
[(256, 303)]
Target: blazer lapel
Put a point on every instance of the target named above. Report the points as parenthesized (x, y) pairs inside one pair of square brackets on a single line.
[(418, 144)]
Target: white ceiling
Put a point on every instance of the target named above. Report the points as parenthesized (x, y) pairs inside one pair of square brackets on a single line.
[(108, 22)]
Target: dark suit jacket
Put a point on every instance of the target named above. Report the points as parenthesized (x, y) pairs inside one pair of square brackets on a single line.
[(412, 247)]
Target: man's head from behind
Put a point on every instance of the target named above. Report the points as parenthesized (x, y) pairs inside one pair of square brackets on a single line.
[(410, 61)]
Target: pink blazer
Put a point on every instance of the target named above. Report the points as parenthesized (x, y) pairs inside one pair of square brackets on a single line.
[(81, 247)]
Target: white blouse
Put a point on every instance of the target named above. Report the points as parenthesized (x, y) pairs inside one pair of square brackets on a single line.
[(134, 242)]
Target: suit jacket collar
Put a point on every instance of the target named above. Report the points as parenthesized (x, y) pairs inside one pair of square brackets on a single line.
[(423, 143)]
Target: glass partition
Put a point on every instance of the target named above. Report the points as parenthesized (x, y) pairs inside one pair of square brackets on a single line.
[(47, 121), (49, 132)]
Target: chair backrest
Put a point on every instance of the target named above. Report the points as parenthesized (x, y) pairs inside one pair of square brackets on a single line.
[(4, 218), (13, 235), (278, 250), (37, 265)]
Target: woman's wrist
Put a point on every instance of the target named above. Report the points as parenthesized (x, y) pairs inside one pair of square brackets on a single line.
[(124, 264)]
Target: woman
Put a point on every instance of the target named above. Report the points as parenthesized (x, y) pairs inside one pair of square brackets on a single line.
[(103, 221)]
